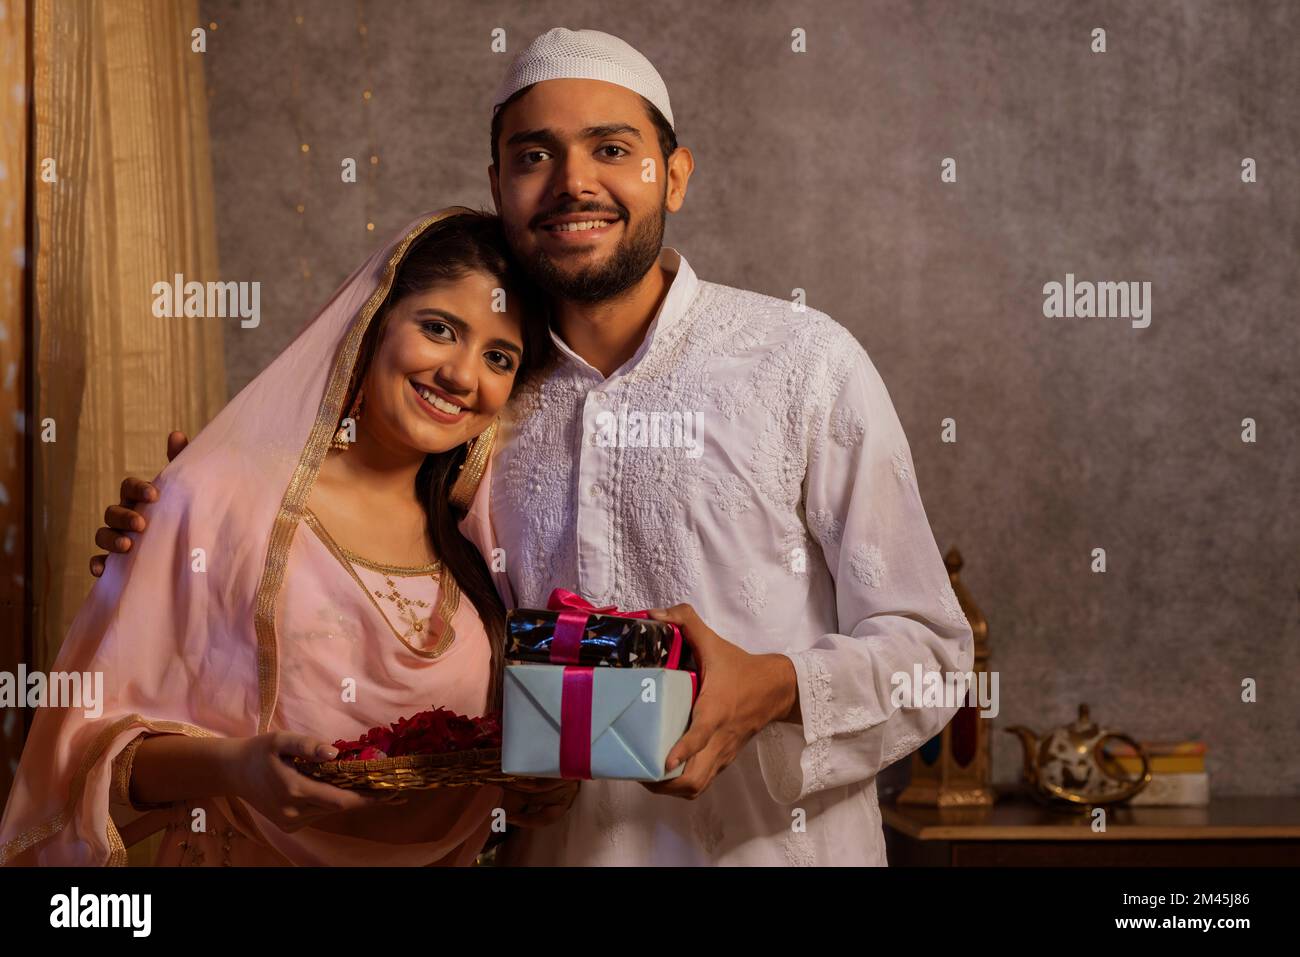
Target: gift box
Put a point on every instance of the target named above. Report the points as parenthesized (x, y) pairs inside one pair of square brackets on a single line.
[(589, 696), (605, 641), (632, 719)]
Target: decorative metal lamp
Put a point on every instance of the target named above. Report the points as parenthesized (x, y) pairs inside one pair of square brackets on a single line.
[(955, 767)]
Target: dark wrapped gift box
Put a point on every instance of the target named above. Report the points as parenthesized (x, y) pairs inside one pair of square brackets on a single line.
[(607, 640)]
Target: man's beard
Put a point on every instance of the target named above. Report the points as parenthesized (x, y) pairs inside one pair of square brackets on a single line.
[(634, 256)]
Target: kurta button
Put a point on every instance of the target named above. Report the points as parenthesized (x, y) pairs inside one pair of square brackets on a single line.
[(600, 397), (596, 490)]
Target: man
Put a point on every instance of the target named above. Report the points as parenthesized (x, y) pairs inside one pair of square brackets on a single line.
[(779, 502)]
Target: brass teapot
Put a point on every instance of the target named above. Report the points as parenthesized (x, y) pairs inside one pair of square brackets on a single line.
[(1070, 766)]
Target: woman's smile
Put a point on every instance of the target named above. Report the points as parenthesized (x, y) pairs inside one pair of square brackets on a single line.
[(437, 404)]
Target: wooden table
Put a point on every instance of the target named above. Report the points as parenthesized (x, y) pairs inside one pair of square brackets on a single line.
[(1015, 831)]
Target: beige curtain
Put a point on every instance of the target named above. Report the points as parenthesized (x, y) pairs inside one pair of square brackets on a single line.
[(121, 111), (122, 188)]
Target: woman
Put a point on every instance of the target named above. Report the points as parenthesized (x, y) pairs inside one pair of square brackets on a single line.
[(303, 580)]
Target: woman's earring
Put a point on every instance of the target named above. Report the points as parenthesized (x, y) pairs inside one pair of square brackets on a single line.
[(471, 470), (346, 433)]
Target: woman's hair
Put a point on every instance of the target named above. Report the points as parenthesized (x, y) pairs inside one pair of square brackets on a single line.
[(446, 252)]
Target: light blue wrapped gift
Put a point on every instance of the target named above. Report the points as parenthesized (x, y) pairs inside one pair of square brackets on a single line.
[(635, 716)]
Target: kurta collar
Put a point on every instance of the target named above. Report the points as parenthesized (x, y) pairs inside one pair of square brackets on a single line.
[(681, 292)]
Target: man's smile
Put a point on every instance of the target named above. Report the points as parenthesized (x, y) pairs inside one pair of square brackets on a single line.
[(580, 230)]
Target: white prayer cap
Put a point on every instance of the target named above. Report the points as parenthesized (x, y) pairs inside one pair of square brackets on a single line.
[(562, 54)]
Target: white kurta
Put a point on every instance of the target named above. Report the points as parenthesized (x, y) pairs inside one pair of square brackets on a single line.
[(793, 526)]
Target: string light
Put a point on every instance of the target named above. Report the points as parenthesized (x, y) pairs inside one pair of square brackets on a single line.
[(367, 125), (304, 149), (212, 26)]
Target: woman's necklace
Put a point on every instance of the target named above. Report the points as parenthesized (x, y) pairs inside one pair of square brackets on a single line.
[(406, 609), (417, 629)]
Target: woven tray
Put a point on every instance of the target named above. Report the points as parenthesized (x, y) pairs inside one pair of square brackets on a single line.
[(410, 772)]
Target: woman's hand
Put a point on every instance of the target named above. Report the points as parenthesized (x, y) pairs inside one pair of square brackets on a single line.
[(260, 774), (537, 802)]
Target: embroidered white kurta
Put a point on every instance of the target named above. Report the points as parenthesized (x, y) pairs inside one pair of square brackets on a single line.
[(774, 491)]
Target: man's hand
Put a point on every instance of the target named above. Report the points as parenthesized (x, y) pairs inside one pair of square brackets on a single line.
[(740, 694), (122, 517), (537, 802)]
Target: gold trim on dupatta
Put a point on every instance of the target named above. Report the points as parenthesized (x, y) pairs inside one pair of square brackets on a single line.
[(304, 476), (117, 850)]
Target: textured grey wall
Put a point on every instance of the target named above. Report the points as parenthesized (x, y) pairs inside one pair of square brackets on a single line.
[(822, 171)]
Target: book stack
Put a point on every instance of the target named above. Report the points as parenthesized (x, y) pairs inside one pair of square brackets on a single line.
[(1178, 775)]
